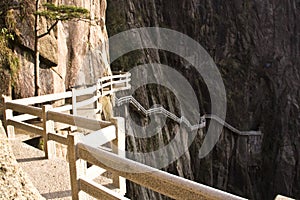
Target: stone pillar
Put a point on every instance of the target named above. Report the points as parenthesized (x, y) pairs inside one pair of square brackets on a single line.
[(48, 125), (118, 147), (77, 167), (8, 114)]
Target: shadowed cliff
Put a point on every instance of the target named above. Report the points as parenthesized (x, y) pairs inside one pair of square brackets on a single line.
[(256, 45)]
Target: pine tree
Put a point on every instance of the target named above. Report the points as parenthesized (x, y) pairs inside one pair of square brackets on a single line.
[(54, 14)]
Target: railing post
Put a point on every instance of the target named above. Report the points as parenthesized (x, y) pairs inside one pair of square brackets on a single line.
[(8, 114), (48, 125), (101, 82), (118, 147), (74, 109), (127, 80), (111, 84), (97, 103), (77, 167)]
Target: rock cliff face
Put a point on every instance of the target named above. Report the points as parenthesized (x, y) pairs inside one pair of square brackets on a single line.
[(256, 45), (74, 53)]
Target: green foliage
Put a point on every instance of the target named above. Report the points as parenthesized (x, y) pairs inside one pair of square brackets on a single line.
[(8, 35), (63, 12), (10, 24), (41, 144), (8, 60)]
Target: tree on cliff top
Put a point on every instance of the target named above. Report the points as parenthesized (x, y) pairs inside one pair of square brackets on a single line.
[(55, 14)]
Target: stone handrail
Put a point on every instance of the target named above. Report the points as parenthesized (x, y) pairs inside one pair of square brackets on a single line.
[(162, 110), (80, 152), (182, 119), (104, 86), (154, 179), (115, 83)]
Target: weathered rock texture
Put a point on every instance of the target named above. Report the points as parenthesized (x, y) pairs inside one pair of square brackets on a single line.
[(256, 45), (14, 183), (74, 53)]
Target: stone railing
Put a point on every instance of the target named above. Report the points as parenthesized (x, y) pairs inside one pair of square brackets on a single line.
[(83, 149)]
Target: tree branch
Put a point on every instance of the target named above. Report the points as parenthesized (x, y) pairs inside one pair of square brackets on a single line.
[(48, 31), (60, 76)]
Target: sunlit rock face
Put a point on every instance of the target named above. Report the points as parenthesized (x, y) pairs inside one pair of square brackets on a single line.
[(256, 46), (87, 45), (74, 53)]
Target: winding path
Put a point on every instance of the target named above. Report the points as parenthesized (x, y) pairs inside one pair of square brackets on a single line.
[(183, 119)]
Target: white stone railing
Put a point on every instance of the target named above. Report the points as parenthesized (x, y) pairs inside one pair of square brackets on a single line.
[(154, 179), (83, 149), (183, 119), (27, 111)]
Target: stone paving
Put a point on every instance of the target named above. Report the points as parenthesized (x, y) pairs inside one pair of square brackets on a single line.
[(26, 174), (14, 182)]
